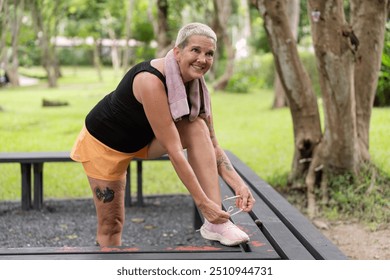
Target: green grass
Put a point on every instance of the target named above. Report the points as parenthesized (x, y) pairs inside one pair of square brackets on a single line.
[(244, 124)]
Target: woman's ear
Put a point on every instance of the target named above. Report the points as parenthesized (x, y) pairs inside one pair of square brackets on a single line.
[(177, 53)]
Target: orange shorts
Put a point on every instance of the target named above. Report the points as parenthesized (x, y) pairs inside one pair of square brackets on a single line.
[(100, 161)]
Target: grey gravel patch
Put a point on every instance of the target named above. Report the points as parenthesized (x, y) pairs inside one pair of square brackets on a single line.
[(164, 220)]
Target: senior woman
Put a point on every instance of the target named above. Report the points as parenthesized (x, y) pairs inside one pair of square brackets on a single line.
[(161, 106)]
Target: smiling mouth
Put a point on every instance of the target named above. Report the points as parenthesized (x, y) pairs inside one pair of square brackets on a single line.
[(198, 68)]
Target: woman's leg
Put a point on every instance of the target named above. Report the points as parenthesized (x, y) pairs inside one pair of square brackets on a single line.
[(108, 197), (195, 137)]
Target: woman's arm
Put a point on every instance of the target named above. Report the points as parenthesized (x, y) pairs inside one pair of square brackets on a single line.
[(150, 91), (229, 174)]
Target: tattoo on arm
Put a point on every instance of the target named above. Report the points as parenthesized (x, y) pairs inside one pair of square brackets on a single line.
[(223, 161), (106, 195)]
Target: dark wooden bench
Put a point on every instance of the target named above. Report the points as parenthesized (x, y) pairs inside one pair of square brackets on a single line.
[(276, 228), (34, 161), (289, 231)]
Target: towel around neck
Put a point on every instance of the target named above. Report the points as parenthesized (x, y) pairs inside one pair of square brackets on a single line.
[(198, 94)]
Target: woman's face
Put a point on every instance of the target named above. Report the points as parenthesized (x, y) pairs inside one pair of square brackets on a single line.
[(196, 58)]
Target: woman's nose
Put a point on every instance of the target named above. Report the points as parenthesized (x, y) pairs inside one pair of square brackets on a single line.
[(202, 58)]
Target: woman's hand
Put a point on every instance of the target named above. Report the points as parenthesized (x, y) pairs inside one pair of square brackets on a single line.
[(245, 200), (213, 213)]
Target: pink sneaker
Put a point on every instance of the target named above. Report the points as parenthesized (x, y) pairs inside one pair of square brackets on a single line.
[(227, 234)]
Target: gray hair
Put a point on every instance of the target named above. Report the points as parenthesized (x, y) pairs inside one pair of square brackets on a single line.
[(194, 28)]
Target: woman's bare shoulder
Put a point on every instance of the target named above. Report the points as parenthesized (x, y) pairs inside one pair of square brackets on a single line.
[(148, 85), (158, 63)]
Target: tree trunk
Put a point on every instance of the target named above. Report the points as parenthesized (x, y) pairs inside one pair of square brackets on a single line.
[(337, 47), (127, 52), (47, 60), (347, 90), (46, 26), (163, 41), (293, 12), (115, 58), (333, 42), (96, 59), (298, 88), (368, 19), (11, 21), (15, 28), (280, 100), (152, 19), (3, 32), (338, 152), (297, 85), (223, 10)]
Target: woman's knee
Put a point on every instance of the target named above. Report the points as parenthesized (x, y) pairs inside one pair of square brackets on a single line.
[(111, 225), (194, 132), (111, 215)]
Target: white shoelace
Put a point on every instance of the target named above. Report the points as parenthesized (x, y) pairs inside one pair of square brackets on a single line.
[(231, 208)]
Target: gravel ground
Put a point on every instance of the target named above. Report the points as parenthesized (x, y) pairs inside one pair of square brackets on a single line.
[(165, 220)]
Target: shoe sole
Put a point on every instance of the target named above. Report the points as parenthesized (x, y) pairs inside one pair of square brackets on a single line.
[(217, 237)]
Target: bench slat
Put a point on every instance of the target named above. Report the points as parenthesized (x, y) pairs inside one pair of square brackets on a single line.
[(216, 251), (258, 242), (35, 157), (281, 238), (138, 256)]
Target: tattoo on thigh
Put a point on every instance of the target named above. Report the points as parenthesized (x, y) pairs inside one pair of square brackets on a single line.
[(106, 195)]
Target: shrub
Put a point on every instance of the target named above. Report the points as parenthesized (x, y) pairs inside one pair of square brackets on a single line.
[(258, 71), (364, 197), (82, 56), (253, 72)]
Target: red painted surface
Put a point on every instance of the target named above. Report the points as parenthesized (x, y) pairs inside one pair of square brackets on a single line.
[(68, 249), (113, 249), (133, 249), (194, 248), (256, 243)]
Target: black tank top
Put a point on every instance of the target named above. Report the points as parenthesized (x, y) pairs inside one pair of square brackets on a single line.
[(119, 120)]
